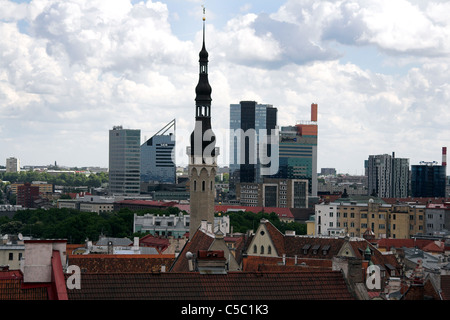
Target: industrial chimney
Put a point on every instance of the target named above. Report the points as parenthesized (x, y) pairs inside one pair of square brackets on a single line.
[(314, 112), (444, 156)]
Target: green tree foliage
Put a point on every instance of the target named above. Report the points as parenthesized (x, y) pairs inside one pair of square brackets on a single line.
[(93, 180), (70, 224), (244, 221), (76, 226)]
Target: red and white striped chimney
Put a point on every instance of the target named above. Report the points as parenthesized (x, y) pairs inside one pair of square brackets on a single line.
[(444, 156)]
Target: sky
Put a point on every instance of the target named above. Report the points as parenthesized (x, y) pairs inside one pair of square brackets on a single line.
[(71, 70)]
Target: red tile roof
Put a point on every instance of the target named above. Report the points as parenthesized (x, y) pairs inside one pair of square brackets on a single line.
[(387, 244), (281, 212), (285, 213), (152, 203), (98, 263), (13, 288), (320, 285), (149, 240), (434, 247), (260, 263), (200, 241), (445, 287)]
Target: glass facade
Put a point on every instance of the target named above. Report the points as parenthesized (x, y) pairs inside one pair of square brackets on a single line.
[(298, 156), (124, 161), (247, 120), (428, 180), (157, 159)]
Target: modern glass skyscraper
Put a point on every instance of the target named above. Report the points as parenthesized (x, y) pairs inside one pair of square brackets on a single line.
[(298, 152), (124, 161), (428, 180), (157, 157), (248, 120)]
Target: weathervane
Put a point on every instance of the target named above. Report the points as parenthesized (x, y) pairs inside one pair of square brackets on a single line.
[(203, 12)]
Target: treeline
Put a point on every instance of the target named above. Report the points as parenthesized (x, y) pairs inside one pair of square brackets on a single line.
[(70, 224), (76, 226), (94, 180), (243, 221)]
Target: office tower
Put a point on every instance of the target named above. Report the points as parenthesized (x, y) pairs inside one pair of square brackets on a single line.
[(298, 152), (202, 152), (12, 165), (157, 156), (124, 161), (249, 121), (428, 180), (388, 176)]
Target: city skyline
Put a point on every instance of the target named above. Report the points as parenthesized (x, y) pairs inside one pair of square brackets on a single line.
[(70, 71)]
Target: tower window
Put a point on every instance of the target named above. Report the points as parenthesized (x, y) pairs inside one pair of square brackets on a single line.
[(203, 185), (195, 185)]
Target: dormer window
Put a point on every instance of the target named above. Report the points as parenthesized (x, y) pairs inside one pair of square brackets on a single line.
[(325, 249), (315, 249), (306, 248)]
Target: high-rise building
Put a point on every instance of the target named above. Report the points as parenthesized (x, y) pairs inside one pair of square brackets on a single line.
[(12, 165), (124, 161), (202, 152), (157, 157), (298, 152), (26, 195), (250, 123), (428, 180), (387, 176), (281, 193)]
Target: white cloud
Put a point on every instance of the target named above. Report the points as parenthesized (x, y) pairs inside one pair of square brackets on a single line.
[(85, 66)]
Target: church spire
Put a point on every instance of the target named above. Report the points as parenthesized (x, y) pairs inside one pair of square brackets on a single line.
[(202, 152), (203, 138), (203, 89)]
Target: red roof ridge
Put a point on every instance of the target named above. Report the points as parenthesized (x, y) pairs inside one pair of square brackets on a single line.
[(120, 256)]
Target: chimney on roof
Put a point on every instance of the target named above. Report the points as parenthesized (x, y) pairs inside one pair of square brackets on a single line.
[(38, 265), (211, 262), (209, 227), (136, 244), (203, 225), (191, 259)]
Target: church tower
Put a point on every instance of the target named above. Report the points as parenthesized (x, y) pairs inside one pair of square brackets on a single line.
[(202, 151)]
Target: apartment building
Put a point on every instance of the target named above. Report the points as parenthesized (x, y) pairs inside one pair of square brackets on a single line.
[(281, 193), (354, 218)]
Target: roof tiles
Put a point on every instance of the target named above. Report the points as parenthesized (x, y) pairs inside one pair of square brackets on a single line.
[(322, 285)]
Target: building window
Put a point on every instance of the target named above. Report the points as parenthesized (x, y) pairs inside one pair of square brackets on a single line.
[(269, 250), (262, 249), (11, 256), (254, 249)]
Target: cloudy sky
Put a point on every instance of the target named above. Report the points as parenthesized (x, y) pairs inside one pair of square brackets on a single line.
[(71, 70)]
